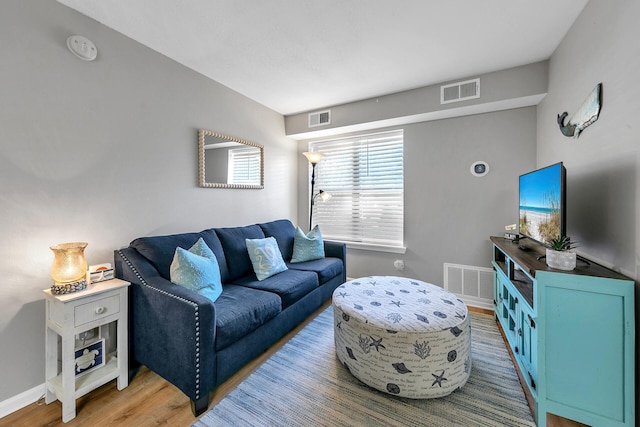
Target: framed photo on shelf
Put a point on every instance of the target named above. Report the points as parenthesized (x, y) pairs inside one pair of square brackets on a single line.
[(89, 357)]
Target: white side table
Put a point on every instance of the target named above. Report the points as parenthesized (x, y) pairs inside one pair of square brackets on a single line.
[(69, 315)]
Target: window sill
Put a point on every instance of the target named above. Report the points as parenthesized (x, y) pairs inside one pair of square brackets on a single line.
[(376, 248)]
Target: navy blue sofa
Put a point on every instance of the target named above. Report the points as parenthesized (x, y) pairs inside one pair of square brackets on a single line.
[(195, 343)]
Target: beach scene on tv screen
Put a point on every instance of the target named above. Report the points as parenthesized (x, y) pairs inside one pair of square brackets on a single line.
[(540, 204)]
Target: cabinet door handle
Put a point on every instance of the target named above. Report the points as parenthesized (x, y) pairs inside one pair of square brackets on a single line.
[(531, 321), (520, 331), (516, 300), (533, 382), (100, 310), (517, 352)]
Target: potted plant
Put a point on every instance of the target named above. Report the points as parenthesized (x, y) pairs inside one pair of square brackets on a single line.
[(560, 255)]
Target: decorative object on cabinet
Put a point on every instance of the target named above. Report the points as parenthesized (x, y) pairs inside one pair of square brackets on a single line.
[(559, 254), (89, 357), (571, 333), (561, 260), (100, 272), (314, 158), (69, 268), (585, 116), (69, 375), (228, 162)]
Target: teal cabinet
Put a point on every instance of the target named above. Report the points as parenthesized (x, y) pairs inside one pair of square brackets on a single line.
[(528, 338), (572, 335)]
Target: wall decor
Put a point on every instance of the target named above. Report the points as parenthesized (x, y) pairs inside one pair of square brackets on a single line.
[(479, 168), (586, 114), (228, 162)]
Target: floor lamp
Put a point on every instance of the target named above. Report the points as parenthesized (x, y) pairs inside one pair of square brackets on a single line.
[(314, 157)]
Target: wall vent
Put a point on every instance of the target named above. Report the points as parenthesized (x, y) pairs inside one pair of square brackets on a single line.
[(474, 285), (319, 118), (460, 91)]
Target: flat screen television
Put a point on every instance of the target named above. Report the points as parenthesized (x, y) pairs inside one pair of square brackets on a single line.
[(543, 203)]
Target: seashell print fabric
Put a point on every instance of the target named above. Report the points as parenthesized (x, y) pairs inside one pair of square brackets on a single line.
[(403, 336)]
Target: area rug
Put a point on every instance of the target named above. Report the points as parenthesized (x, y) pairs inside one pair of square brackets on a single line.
[(304, 384)]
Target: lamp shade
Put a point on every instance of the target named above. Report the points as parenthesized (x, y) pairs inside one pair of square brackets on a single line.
[(323, 195), (69, 263), (313, 156)]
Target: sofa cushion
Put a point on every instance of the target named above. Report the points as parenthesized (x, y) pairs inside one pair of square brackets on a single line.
[(240, 310), (290, 285), (197, 269), (307, 247), (235, 248), (159, 250), (211, 239), (265, 257), (283, 231), (325, 268)]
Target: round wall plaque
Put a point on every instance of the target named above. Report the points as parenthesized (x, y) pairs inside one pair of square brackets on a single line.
[(479, 168)]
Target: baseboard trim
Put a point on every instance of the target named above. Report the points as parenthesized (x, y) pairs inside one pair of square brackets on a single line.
[(21, 400)]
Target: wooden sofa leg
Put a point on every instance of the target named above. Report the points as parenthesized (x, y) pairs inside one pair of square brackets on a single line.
[(199, 406)]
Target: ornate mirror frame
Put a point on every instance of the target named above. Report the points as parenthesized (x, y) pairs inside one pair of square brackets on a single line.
[(202, 181)]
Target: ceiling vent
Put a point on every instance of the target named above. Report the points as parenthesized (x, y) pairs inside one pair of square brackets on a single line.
[(460, 91), (319, 118)]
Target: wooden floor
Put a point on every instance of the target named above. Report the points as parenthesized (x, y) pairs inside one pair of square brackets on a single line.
[(151, 401)]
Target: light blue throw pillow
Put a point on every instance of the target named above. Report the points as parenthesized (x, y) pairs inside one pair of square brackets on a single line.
[(307, 247), (265, 256), (197, 269)]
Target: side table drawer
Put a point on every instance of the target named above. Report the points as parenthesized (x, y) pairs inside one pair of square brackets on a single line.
[(95, 310)]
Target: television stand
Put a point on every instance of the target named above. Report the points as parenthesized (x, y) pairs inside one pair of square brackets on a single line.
[(567, 332)]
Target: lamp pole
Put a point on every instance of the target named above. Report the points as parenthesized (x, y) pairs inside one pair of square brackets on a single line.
[(313, 157), (313, 181)]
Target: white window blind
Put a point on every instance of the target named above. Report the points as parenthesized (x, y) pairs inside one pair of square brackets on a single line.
[(244, 166), (365, 178)]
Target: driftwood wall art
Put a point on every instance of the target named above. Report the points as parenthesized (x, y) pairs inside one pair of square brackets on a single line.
[(586, 114)]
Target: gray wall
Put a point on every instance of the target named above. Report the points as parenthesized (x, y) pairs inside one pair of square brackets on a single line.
[(104, 152), (603, 191), (505, 89), (603, 195), (449, 213)]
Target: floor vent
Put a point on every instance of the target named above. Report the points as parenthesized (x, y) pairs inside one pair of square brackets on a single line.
[(460, 91), (474, 285), (319, 118)]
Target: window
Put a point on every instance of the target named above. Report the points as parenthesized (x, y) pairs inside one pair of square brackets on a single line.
[(364, 175), (244, 166)]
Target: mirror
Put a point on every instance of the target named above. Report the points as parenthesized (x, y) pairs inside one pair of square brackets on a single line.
[(228, 162)]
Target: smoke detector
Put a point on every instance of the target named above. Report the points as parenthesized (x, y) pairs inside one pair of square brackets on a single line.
[(82, 48)]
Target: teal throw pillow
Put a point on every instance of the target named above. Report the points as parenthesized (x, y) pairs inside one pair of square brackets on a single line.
[(307, 247), (197, 269), (265, 257)]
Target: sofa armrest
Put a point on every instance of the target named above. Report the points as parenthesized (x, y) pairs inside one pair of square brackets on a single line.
[(337, 250), (172, 328)]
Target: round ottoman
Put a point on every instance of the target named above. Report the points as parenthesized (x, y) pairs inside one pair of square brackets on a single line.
[(402, 336)]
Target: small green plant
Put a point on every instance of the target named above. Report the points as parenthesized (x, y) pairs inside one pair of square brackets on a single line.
[(561, 244)]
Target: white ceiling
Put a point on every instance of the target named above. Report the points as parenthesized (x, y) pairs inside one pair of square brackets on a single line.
[(295, 55)]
